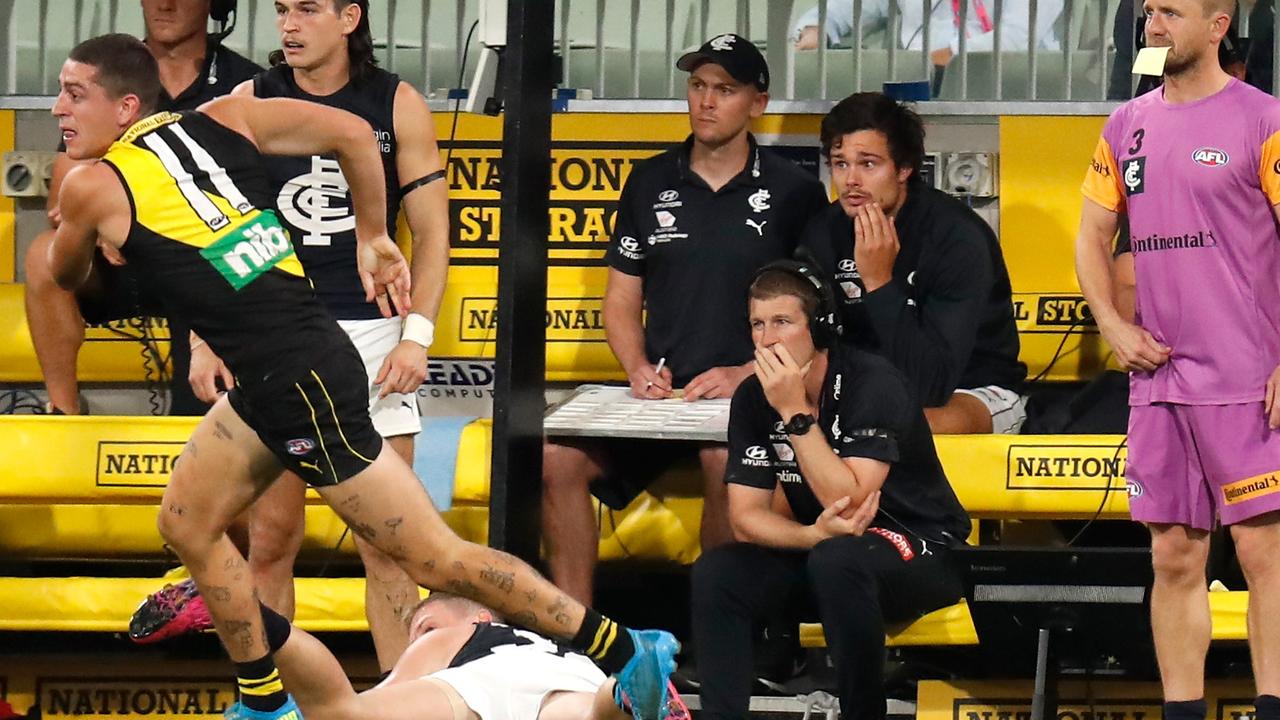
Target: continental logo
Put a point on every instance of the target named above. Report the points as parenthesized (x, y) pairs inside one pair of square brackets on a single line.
[(568, 319), (134, 697), (980, 709), (136, 464), (1065, 467), (1052, 313), (1251, 488)]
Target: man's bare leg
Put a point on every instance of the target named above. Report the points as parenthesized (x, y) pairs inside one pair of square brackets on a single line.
[(56, 327), (716, 529), (276, 528), (1257, 542), (568, 519), (389, 592), (1180, 619), (222, 469), (962, 414)]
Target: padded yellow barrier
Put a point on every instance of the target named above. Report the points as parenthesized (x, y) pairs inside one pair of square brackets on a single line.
[(953, 625), (126, 460)]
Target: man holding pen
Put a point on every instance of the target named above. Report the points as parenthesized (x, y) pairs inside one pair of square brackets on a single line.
[(693, 225)]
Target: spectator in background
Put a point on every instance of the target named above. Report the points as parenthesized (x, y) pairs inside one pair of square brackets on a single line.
[(328, 59), (836, 495), (194, 68), (944, 17), (920, 277), (693, 224)]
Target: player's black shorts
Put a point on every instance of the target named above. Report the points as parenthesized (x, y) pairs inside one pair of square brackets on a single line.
[(317, 423)]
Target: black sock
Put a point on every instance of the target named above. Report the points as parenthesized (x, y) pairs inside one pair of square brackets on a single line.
[(277, 626), (604, 641), (1268, 707), (260, 685), (1186, 710)]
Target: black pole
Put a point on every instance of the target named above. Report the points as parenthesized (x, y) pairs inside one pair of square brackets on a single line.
[(520, 363)]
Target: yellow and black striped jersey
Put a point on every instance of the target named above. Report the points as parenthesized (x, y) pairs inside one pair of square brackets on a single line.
[(205, 237)]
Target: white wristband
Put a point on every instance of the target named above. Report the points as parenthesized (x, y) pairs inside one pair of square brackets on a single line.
[(419, 329)]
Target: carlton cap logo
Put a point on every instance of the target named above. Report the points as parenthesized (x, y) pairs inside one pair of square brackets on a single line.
[(722, 43), (1210, 157), (757, 452)]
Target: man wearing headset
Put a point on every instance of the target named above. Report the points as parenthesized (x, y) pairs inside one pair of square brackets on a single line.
[(836, 498), (194, 69)]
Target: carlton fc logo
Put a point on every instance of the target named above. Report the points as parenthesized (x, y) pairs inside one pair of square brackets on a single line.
[(1210, 157)]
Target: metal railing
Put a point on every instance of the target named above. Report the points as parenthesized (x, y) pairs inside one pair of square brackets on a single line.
[(618, 49)]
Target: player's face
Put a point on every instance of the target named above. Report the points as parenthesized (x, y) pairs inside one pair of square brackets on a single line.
[(1185, 28), (313, 32), (863, 171), (170, 22), (88, 117), (435, 615), (781, 320), (720, 107)]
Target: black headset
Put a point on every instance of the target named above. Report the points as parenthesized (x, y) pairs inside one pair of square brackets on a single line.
[(223, 12), (824, 324)]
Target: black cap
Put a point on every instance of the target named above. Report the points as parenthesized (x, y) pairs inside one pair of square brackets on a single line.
[(736, 54)]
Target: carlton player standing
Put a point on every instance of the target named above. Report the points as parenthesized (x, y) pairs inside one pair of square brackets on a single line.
[(1196, 166)]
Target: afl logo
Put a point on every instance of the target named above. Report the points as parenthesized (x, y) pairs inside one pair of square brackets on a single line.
[(317, 203), (300, 446), (848, 266), (1210, 157), (629, 243), (668, 195), (757, 452)]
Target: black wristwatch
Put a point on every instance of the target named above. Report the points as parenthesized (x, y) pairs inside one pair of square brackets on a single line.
[(799, 424)]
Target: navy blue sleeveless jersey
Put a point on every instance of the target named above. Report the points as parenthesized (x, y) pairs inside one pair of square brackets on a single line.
[(312, 196)]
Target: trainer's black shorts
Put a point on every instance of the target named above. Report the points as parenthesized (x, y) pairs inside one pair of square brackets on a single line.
[(631, 465), (317, 423)]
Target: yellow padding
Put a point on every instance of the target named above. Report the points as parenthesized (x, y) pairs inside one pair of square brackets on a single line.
[(954, 626)]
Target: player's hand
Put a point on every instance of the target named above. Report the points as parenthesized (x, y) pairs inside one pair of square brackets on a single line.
[(648, 384), (383, 272), (875, 245), (1135, 348), (404, 369), (205, 372), (55, 216), (112, 254), (718, 382), (839, 518), (782, 379), (809, 38), (1272, 404)]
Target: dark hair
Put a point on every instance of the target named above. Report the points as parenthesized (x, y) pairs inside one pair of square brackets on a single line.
[(776, 282), (125, 67), (359, 43), (877, 111)]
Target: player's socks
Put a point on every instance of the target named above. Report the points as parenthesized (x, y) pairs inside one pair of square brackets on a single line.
[(604, 641), (1186, 710), (260, 686), (277, 626), (1268, 707)]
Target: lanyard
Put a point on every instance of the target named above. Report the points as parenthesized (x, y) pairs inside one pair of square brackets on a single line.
[(980, 8)]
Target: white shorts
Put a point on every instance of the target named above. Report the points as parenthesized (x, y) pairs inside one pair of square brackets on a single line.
[(512, 682), (1008, 409), (397, 413)]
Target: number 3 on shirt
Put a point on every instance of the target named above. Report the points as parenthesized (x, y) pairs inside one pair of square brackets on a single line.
[(1137, 140)]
